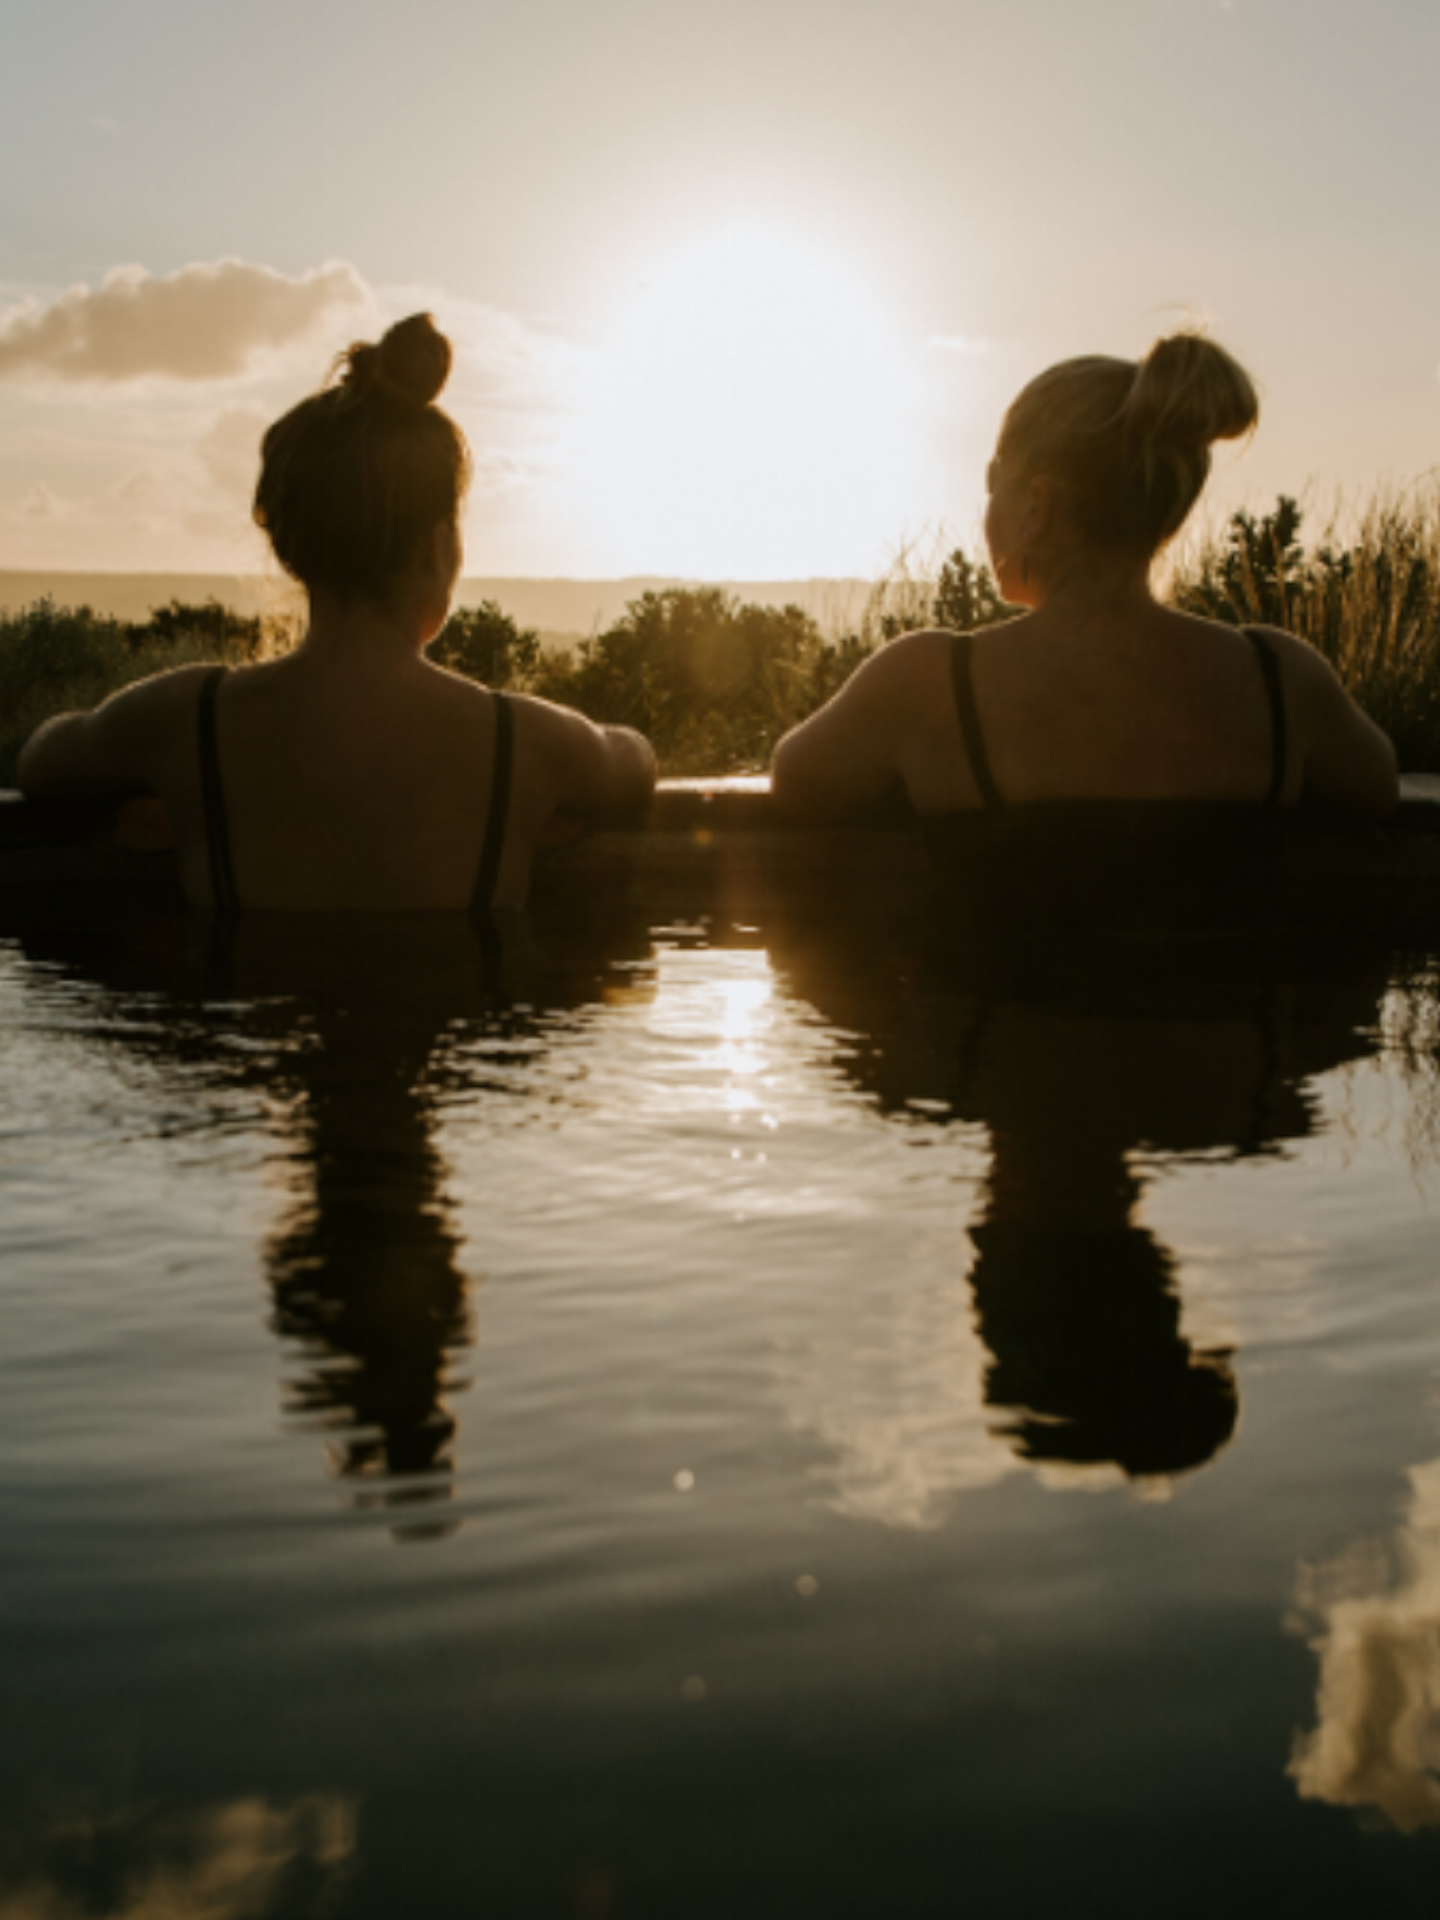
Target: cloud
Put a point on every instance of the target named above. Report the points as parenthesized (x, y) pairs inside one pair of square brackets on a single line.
[(1377, 1741), (229, 448), (507, 362), (209, 321), (220, 1863)]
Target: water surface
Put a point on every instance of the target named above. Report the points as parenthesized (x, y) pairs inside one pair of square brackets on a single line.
[(722, 1422)]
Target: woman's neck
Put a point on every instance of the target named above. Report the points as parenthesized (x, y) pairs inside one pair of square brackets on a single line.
[(1089, 585), (355, 629)]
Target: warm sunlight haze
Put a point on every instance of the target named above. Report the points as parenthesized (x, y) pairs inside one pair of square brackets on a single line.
[(734, 294)]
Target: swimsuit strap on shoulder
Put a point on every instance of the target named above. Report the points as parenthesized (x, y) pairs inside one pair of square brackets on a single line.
[(484, 895), (1275, 694), (212, 797), (963, 684)]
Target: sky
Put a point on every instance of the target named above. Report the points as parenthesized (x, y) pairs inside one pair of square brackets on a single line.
[(738, 288)]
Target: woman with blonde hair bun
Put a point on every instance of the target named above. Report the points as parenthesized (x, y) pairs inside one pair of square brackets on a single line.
[(1097, 702), (353, 774)]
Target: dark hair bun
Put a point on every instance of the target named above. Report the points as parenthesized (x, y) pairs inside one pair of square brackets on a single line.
[(415, 357), (412, 362)]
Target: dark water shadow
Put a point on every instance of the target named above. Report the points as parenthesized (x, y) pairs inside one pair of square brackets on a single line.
[(345, 1039)]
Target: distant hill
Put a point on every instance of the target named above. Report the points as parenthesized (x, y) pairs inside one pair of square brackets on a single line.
[(563, 610)]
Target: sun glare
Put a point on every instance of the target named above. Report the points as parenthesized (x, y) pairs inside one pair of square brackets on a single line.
[(753, 414)]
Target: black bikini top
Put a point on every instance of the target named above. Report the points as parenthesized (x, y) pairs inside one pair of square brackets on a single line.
[(217, 831), (963, 682)]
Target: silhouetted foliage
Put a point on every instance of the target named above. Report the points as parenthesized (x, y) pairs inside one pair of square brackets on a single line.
[(715, 681), (963, 597), (1254, 575), (702, 673), (966, 595), (54, 659), (1370, 604), (485, 643), (180, 622)]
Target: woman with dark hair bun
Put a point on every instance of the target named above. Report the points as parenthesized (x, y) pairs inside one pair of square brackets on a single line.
[(353, 774), (1097, 693)]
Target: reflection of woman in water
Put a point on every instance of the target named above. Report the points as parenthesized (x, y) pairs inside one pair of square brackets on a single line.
[(1079, 1074), (356, 1046), (352, 773), (1077, 1301), (364, 1268)]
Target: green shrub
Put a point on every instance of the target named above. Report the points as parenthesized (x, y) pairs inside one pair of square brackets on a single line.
[(63, 659), (485, 643)]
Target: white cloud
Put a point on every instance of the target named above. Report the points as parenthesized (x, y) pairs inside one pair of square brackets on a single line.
[(229, 448), (209, 321), (131, 415), (1377, 1741), (506, 362)]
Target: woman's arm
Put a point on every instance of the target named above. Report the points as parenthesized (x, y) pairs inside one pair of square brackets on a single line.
[(112, 750), (595, 772), (848, 757), (1348, 771)]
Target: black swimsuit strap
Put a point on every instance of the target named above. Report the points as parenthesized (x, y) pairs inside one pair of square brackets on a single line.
[(963, 683), (484, 895), (212, 795), (1275, 694)]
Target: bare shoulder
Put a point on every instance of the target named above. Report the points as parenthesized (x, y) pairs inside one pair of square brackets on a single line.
[(900, 677), (171, 692), (849, 755), (579, 765), (123, 745), (1302, 664), (1314, 690), (1348, 763)]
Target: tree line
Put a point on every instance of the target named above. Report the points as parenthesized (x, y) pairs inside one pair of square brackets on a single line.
[(715, 680)]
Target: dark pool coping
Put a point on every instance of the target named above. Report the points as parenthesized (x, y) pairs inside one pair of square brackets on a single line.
[(730, 803), (720, 846)]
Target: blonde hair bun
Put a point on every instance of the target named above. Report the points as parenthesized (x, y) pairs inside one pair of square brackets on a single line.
[(1131, 443), (1187, 394)]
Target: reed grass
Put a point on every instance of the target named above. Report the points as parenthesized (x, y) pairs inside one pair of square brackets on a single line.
[(1367, 595)]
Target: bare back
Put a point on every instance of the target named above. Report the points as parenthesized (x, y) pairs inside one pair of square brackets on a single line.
[(345, 791), (1174, 709), (351, 781), (1147, 705)]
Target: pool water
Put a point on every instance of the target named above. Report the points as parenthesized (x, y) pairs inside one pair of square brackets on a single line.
[(716, 1422)]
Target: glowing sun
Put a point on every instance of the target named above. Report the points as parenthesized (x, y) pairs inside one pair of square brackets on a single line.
[(752, 413)]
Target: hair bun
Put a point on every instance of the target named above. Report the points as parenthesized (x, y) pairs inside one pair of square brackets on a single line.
[(412, 362), (1188, 392), (415, 358)]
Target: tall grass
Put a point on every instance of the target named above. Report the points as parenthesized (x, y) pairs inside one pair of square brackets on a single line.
[(1367, 595), (714, 681)]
